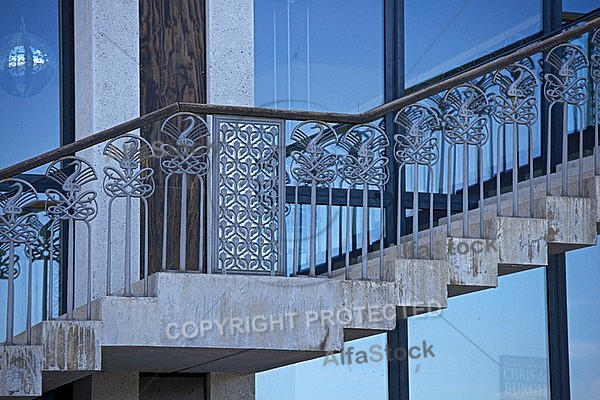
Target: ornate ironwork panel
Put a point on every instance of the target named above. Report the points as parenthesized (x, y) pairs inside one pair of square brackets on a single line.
[(249, 184)]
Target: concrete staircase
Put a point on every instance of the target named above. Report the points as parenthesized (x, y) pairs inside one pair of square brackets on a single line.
[(194, 322)]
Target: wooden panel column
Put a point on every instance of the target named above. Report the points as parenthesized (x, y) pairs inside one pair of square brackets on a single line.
[(172, 68)]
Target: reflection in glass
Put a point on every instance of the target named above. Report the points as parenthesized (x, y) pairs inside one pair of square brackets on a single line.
[(26, 64), (488, 345), (29, 82), (443, 35), (583, 280), (318, 55)]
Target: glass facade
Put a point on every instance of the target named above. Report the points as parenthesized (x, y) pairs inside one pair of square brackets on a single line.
[(30, 124), (483, 347), (440, 36), (29, 79), (583, 280), (318, 55)]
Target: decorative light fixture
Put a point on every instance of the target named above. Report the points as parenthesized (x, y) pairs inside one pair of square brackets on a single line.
[(27, 64)]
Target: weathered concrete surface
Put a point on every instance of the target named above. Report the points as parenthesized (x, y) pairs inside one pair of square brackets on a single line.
[(20, 372), (108, 386), (231, 386), (521, 243), (473, 264), (174, 388), (203, 323), (69, 345), (571, 222), (592, 189), (71, 350)]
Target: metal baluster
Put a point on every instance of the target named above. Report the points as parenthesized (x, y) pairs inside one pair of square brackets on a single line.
[(184, 152), (126, 178), (364, 163), (165, 222), (10, 302), (465, 124), (89, 271), (201, 225), (295, 255), (417, 146), (183, 223), (109, 248), (313, 165), (29, 294), (595, 74), (146, 244), (329, 238), (565, 87), (313, 228)]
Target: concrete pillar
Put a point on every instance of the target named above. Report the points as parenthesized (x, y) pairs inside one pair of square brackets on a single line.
[(222, 386), (230, 52), (107, 92), (173, 388), (107, 386)]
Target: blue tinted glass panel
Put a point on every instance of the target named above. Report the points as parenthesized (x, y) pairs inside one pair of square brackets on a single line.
[(488, 345), (29, 82), (583, 280), (443, 35), (579, 6), (318, 55)]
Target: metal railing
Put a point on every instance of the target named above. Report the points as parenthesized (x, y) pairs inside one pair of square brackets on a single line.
[(219, 184)]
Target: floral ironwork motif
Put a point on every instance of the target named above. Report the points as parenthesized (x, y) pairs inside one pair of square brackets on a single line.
[(249, 195), (72, 201), (564, 84), (312, 162), (48, 244), (17, 223), (416, 145), (465, 121), (365, 163), (516, 102), (184, 151), (5, 262), (131, 178), (595, 56)]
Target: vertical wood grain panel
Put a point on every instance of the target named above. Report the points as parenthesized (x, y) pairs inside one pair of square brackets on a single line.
[(172, 68)]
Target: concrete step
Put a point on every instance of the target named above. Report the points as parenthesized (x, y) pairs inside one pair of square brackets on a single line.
[(21, 372), (224, 322)]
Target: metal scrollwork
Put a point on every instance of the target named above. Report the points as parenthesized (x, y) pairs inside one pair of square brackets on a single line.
[(516, 102), (416, 145), (17, 223), (18, 227), (563, 84), (595, 56), (313, 162), (365, 162), (5, 262), (184, 151), (465, 121), (130, 178), (250, 183), (71, 202), (516, 105)]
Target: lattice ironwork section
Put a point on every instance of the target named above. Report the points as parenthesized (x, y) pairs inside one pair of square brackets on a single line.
[(250, 202)]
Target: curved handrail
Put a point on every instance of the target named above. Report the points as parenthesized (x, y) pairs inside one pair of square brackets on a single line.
[(540, 45)]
